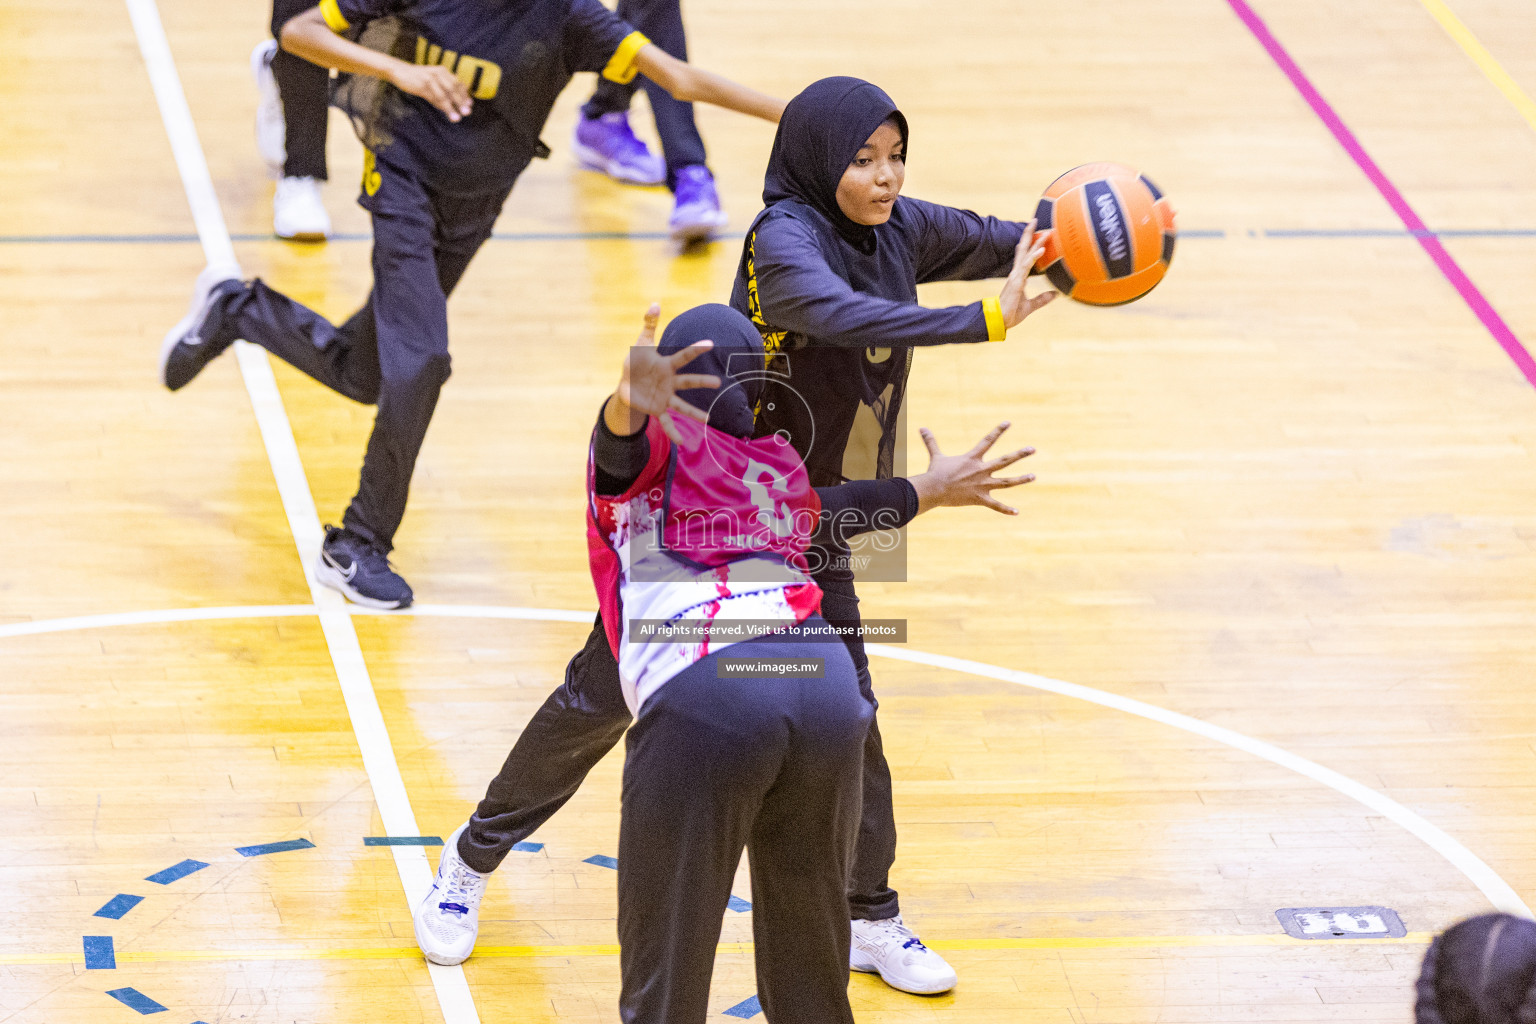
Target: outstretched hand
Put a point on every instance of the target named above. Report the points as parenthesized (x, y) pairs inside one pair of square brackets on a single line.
[(650, 383), (1017, 305), (967, 479)]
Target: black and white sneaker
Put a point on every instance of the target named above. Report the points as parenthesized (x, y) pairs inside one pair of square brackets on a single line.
[(359, 570), (197, 340)]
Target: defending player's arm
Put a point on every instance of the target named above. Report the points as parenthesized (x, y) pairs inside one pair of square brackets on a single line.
[(860, 506), (690, 84), (313, 36)]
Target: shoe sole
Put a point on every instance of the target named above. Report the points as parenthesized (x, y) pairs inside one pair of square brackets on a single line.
[(261, 69), (172, 339), (915, 991), (185, 324), (592, 160), (336, 581), (691, 233), (304, 236)]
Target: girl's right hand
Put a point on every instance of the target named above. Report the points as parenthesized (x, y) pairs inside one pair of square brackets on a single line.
[(966, 479), (650, 383), (435, 84)]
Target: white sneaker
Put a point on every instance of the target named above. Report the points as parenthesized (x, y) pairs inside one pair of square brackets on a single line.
[(271, 132), (448, 920), (297, 211), (893, 951)]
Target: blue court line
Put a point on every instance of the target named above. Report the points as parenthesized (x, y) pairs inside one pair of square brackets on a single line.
[(99, 955), (528, 847), (402, 840), (282, 847), (118, 905), (176, 871), (137, 1000), (652, 236), (748, 1007), (500, 236), (602, 860), (738, 904)]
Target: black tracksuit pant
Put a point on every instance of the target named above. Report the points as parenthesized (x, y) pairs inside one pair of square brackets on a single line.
[(662, 23), (305, 89), (393, 352), (585, 716), (717, 764)]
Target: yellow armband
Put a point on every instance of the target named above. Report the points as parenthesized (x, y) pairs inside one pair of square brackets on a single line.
[(621, 68), (331, 12), (992, 309)]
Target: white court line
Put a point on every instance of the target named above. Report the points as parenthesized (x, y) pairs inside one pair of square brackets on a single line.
[(1498, 891), (453, 995)]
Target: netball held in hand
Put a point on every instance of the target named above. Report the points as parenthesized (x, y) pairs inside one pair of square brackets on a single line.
[(1108, 234)]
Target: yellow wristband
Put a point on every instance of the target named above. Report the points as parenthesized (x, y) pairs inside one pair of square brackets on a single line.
[(332, 15), (622, 68), (992, 309)]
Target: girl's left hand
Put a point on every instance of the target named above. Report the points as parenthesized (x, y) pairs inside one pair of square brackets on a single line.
[(650, 383), (1016, 305)]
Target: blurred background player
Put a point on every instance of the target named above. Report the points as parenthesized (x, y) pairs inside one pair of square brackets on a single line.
[(444, 148), (1480, 971), (605, 142), (291, 123)]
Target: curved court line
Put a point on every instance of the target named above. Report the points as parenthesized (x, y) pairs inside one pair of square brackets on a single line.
[(1449, 268), (1485, 61), (1499, 892)]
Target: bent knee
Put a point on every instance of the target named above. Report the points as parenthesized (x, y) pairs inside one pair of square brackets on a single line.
[(427, 372)]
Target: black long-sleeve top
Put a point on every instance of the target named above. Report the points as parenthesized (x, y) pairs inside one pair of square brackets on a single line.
[(840, 319)]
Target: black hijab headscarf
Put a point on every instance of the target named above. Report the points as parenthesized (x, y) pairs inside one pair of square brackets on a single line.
[(819, 135), (1480, 971), (737, 359)]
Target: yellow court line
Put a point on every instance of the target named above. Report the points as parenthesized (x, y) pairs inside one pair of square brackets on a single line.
[(1482, 58), (561, 952)]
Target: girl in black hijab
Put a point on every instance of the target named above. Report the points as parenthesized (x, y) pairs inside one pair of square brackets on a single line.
[(829, 275)]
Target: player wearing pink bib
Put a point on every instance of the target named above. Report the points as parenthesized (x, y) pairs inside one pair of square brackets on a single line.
[(738, 742)]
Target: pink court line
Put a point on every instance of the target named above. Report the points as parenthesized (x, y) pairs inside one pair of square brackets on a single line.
[(1453, 273)]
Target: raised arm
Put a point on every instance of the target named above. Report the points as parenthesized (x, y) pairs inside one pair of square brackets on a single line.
[(313, 36), (684, 82)]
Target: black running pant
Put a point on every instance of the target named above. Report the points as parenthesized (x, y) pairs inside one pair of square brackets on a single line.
[(393, 352), (717, 764), (662, 23), (585, 716), (305, 89)]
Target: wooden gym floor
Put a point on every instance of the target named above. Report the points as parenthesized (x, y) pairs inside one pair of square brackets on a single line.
[(1289, 495)]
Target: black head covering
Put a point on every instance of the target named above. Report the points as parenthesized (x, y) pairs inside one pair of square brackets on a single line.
[(820, 133), (1481, 971), (737, 359)]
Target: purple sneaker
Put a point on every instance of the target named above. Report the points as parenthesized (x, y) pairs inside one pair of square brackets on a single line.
[(609, 145), (696, 214)]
